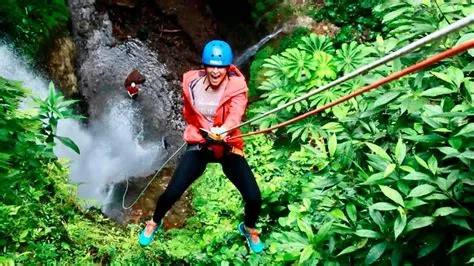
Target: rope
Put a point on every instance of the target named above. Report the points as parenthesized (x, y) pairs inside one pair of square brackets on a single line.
[(149, 182), (402, 51), (448, 53)]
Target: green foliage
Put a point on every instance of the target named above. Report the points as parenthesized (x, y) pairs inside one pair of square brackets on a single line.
[(393, 168), (353, 17), (270, 12), (41, 221), (31, 24), (34, 184), (52, 109), (292, 40), (296, 71), (256, 75), (377, 180), (409, 19)]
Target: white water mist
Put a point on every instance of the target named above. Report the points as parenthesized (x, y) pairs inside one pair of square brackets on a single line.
[(111, 149)]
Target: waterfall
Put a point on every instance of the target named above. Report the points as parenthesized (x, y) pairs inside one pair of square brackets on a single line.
[(251, 51), (111, 146)]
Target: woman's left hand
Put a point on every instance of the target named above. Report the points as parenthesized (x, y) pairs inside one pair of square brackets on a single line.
[(220, 131)]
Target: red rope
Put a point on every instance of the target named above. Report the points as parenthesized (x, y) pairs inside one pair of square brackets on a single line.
[(434, 59)]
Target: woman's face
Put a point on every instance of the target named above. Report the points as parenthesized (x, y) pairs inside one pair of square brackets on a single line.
[(216, 75)]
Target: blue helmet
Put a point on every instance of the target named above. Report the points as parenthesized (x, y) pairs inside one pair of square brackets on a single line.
[(217, 53)]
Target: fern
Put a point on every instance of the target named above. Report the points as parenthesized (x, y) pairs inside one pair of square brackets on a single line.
[(316, 43)]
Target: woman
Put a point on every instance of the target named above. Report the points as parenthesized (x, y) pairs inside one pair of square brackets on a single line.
[(215, 99)]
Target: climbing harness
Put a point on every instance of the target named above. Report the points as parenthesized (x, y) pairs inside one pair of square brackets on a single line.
[(404, 50)]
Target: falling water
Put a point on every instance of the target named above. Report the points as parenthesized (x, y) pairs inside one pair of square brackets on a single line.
[(251, 51), (111, 146)]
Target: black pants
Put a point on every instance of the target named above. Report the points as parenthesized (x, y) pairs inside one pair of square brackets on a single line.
[(192, 165)]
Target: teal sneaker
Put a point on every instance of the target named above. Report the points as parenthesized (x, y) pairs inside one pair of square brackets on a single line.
[(146, 236), (252, 238)]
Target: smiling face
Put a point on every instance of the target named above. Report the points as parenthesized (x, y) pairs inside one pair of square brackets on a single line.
[(216, 75)]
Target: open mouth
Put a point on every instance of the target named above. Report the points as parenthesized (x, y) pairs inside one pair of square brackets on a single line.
[(215, 79)]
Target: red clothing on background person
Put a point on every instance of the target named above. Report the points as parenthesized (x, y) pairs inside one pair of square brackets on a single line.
[(132, 89)]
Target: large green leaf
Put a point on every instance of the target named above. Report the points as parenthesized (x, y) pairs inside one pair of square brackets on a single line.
[(368, 233), (379, 151), (375, 253), (332, 145), (386, 98), (467, 131), (413, 203), (306, 253), (437, 91), (421, 190), (353, 248), (399, 224), (468, 155), (433, 164), (458, 244), (431, 242), (390, 168), (449, 151), (392, 194), (445, 211), (377, 178), (323, 233), (383, 206), (306, 228), (422, 162), (400, 151), (69, 143), (351, 212), (338, 214), (431, 138), (417, 176), (419, 222)]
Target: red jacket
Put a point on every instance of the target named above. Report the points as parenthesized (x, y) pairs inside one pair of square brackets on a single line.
[(229, 112), (132, 90)]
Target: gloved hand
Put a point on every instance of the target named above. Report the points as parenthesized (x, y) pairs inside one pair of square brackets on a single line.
[(212, 138), (219, 131)]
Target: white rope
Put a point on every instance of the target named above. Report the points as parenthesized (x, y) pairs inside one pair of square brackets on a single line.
[(402, 51), (151, 180)]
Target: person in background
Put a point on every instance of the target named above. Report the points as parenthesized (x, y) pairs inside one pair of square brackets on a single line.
[(133, 90), (215, 99), (132, 83)]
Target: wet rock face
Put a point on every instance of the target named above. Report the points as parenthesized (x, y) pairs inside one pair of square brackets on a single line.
[(60, 64), (161, 40), (193, 16), (102, 67), (134, 77)]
